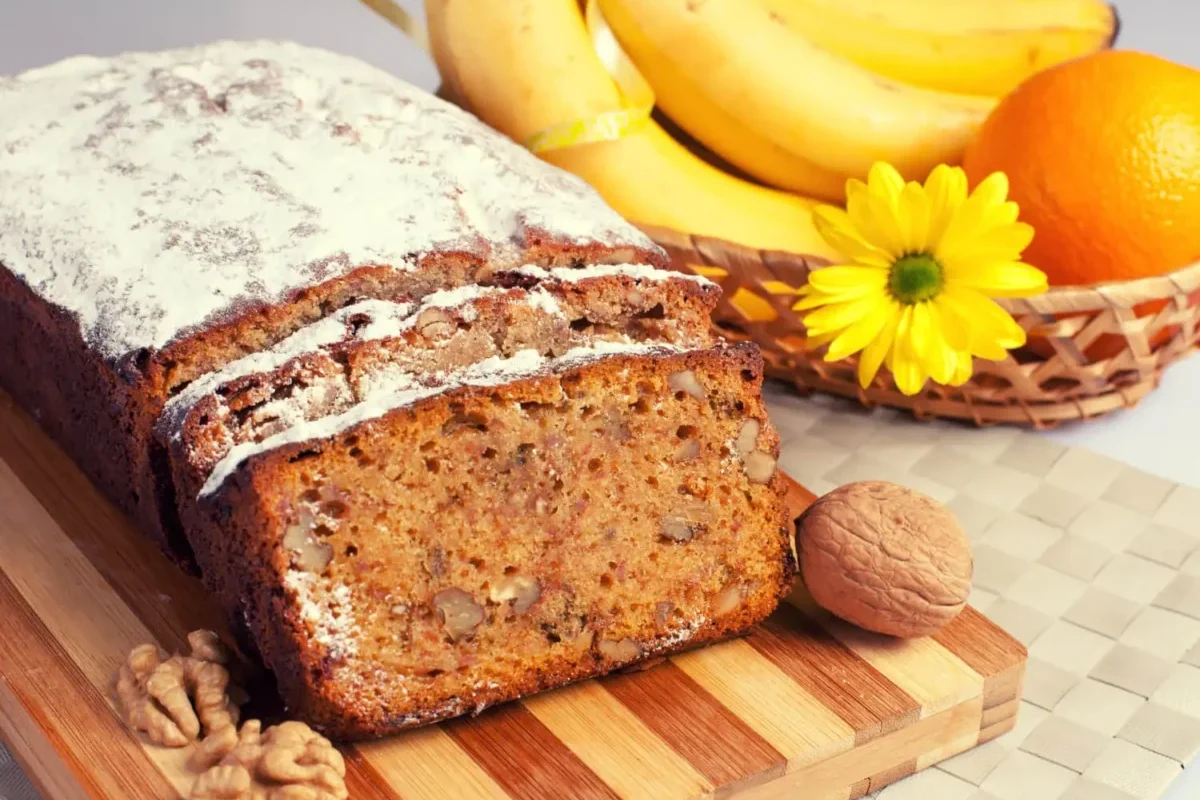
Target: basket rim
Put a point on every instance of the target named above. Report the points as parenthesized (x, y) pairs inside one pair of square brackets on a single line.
[(1182, 280)]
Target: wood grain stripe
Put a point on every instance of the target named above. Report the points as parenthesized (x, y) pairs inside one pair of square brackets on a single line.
[(79, 610), (100, 756), (524, 757), (833, 776), (615, 744), (892, 774), (168, 602), (998, 729), (927, 672), (768, 700), (363, 781), (850, 687), (988, 650), (946, 747), (427, 764), (714, 740)]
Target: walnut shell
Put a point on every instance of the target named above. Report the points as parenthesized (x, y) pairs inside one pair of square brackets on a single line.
[(885, 558)]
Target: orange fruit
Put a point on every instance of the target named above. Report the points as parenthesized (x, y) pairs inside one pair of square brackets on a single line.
[(1103, 157)]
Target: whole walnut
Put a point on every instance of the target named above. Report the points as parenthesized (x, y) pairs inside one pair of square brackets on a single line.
[(885, 558)]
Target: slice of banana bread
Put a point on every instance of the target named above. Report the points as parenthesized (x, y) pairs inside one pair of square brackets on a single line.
[(329, 366), (457, 539)]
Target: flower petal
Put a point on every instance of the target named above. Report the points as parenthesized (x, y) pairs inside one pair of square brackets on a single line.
[(838, 229), (955, 327), (913, 213), (885, 182), (991, 326), (906, 366), (813, 342), (812, 300), (874, 354), (929, 343), (874, 217), (861, 333), (1003, 242), (964, 366), (836, 316), (999, 279), (976, 213), (838, 279), (946, 188)]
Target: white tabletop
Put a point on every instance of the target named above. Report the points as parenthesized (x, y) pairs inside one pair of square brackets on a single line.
[(1162, 435)]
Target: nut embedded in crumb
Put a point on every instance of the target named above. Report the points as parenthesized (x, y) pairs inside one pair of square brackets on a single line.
[(747, 438), (689, 450), (309, 554), (662, 614), (760, 467), (686, 382), (434, 323), (676, 529), (288, 761), (686, 522), (727, 600), (172, 700), (619, 651), (522, 590), (458, 612)]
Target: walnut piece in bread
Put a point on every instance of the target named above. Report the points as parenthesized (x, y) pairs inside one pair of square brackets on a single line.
[(173, 700), (288, 761)]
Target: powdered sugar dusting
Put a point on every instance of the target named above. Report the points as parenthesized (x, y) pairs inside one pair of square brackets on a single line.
[(151, 193), (389, 391), (328, 610), (364, 321), (678, 636), (385, 319), (643, 272)]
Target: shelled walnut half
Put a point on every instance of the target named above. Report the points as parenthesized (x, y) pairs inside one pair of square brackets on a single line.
[(173, 700), (288, 761)]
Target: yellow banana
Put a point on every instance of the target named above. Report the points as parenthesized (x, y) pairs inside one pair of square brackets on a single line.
[(684, 101), (524, 66), (982, 47), (812, 103)]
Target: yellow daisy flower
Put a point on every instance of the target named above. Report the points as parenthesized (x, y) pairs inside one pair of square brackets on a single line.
[(923, 265)]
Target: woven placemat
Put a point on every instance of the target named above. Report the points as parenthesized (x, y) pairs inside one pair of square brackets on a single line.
[(1093, 564)]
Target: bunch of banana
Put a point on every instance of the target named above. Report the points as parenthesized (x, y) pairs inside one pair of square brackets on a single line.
[(524, 66), (797, 94), (979, 47), (802, 94)]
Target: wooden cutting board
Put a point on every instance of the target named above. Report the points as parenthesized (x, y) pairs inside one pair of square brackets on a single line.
[(802, 707)]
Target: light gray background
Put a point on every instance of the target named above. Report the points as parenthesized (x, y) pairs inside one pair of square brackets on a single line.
[(1161, 435)]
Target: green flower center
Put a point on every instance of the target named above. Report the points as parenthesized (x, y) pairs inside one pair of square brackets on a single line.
[(915, 278)]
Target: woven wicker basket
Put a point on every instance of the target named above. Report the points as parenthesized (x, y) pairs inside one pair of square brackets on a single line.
[(1089, 351)]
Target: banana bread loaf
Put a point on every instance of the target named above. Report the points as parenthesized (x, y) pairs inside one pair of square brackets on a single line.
[(430, 421), (164, 213)]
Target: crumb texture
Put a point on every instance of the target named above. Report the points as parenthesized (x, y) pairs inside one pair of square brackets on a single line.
[(151, 193), (508, 535)]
